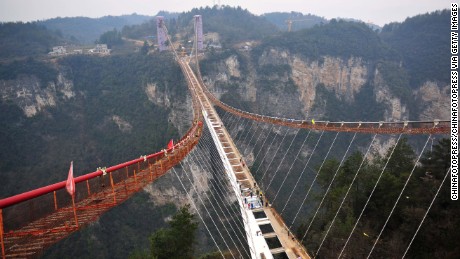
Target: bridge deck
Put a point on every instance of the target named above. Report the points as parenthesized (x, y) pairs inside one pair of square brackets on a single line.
[(289, 243)]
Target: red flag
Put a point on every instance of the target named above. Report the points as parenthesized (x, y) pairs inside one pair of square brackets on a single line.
[(70, 184), (170, 144)]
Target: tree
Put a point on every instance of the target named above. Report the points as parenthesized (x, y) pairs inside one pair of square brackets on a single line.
[(145, 48), (111, 38), (176, 241)]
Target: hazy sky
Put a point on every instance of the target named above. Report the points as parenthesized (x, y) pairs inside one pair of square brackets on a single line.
[(377, 11)]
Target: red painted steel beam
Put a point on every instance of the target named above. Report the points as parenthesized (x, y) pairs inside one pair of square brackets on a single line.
[(57, 186)]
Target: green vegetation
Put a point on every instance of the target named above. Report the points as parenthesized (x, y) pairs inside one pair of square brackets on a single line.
[(233, 24), (86, 30), (423, 44), (337, 38), (44, 71), (175, 241), (110, 38), (407, 215), (83, 128), (149, 28), (25, 39), (300, 21), (363, 108)]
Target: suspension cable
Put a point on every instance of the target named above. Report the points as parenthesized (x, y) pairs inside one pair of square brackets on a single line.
[(273, 158), (329, 187), (198, 212), (370, 196), (426, 212), (284, 156), (238, 137), (263, 143), (265, 155), (205, 207), (314, 180), (221, 210), (292, 165), (346, 194), (236, 126), (253, 134), (222, 193), (247, 134), (224, 179), (301, 174), (399, 197)]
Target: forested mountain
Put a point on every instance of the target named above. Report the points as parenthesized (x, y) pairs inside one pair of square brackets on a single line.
[(337, 38), (97, 114), (86, 30), (234, 25), (149, 27), (19, 40), (421, 43), (299, 21)]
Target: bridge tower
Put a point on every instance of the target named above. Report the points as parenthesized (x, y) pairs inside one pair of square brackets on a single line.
[(161, 34), (198, 31)]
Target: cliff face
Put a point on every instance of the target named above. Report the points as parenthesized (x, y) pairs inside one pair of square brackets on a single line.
[(28, 93), (434, 99), (99, 117), (343, 79)]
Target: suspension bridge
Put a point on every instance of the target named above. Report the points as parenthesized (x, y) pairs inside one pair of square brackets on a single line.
[(228, 147)]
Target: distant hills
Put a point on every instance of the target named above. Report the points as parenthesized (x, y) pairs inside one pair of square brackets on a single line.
[(299, 21), (234, 25), (86, 30), (25, 39)]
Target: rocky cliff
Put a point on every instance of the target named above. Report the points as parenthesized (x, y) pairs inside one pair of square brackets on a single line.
[(342, 78), (29, 93)]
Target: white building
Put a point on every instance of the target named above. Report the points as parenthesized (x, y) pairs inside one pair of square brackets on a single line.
[(58, 50), (101, 49)]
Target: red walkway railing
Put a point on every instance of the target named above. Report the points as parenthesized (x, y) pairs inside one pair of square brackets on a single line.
[(32, 221)]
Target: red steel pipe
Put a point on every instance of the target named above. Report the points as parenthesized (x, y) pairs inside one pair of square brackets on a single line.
[(57, 186)]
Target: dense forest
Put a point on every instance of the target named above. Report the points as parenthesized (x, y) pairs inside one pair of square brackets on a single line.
[(338, 38), (86, 30), (424, 53), (423, 183), (25, 39), (299, 21)]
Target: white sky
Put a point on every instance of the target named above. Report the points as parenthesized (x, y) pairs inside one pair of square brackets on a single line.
[(377, 11)]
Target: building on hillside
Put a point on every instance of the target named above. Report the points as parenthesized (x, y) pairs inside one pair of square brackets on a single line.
[(100, 49), (58, 50)]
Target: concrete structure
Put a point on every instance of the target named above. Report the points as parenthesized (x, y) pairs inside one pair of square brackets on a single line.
[(199, 31), (58, 50), (100, 49), (161, 34)]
